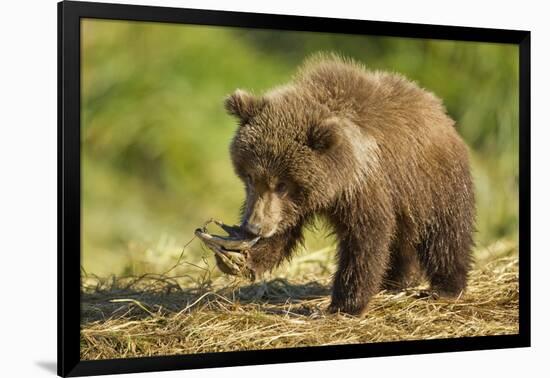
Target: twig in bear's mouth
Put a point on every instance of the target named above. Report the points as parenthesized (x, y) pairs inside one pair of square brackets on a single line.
[(236, 240), (226, 243), (231, 251)]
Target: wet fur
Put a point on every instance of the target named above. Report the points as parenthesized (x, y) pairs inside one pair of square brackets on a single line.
[(378, 157)]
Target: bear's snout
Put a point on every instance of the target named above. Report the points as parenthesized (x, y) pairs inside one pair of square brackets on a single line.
[(263, 215), (260, 226), (253, 228)]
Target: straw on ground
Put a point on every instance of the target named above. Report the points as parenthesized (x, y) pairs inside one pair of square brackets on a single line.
[(161, 315)]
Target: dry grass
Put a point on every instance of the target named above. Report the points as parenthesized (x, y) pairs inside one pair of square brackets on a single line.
[(160, 315)]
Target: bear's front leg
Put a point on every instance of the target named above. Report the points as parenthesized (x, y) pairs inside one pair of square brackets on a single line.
[(362, 263)]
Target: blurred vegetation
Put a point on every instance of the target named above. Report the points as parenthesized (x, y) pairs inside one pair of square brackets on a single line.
[(155, 136)]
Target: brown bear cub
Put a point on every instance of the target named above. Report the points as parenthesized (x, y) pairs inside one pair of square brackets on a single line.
[(374, 154)]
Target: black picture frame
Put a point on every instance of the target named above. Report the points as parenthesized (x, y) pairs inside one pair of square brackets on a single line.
[(69, 185)]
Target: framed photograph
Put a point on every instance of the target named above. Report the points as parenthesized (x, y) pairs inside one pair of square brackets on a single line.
[(239, 188)]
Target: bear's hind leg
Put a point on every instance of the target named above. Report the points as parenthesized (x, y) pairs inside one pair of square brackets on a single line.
[(445, 255), (403, 270)]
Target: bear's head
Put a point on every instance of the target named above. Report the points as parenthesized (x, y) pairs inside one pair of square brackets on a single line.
[(290, 153)]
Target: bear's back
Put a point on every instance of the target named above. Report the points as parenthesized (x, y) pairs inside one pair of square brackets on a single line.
[(407, 141), (372, 99)]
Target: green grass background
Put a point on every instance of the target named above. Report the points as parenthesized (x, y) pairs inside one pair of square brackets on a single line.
[(155, 136)]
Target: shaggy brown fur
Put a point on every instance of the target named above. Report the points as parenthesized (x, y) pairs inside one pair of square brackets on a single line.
[(373, 153)]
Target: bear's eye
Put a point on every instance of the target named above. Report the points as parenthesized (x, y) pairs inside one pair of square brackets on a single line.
[(281, 188)]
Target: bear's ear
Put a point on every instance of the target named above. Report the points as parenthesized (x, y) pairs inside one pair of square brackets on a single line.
[(324, 136), (243, 105)]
